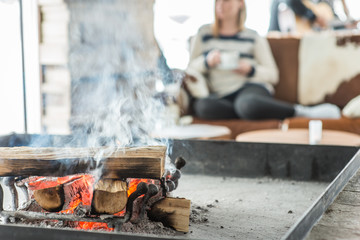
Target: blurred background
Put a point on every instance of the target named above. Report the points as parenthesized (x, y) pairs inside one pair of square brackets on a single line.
[(175, 21)]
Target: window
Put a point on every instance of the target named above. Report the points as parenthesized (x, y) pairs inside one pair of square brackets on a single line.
[(11, 68)]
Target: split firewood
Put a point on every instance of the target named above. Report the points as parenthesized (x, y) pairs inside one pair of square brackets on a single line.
[(110, 196), (116, 163), (78, 195), (172, 212), (50, 199)]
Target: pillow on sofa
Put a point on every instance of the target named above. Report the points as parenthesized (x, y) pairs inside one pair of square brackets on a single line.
[(196, 84), (352, 109), (346, 91)]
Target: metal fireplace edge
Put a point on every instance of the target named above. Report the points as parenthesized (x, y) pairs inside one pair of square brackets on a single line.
[(19, 232), (241, 159), (309, 219)]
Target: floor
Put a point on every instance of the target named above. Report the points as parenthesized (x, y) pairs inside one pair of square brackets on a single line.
[(341, 219)]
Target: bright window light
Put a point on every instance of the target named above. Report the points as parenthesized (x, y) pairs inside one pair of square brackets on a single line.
[(178, 20)]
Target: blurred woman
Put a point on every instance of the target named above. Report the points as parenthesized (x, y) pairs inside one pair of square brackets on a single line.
[(237, 72)]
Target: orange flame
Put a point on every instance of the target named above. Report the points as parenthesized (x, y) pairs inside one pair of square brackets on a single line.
[(93, 226), (82, 186), (133, 182), (37, 183), (82, 191)]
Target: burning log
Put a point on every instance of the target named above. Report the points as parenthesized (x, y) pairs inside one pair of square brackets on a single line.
[(78, 194), (10, 183), (25, 192), (172, 180), (172, 212), (139, 211), (142, 188), (1, 198), (110, 196), (116, 163), (75, 198), (50, 199)]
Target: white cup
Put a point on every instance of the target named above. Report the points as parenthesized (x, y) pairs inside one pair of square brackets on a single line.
[(229, 60), (315, 131)]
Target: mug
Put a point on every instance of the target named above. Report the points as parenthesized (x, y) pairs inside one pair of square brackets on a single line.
[(229, 60)]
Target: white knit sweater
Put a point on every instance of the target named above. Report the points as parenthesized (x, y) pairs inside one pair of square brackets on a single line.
[(247, 45)]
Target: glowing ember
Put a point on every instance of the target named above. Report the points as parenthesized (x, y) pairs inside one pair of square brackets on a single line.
[(93, 226), (121, 213), (81, 192), (37, 183), (133, 182)]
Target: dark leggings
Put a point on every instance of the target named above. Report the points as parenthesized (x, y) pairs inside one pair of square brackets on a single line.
[(251, 102)]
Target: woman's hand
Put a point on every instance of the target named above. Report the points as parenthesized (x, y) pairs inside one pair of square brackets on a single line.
[(244, 68), (213, 58)]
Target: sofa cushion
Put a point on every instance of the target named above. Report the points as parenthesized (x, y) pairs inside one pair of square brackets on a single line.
[(196, 84), (326, 60), (285, 52), (352, 109)]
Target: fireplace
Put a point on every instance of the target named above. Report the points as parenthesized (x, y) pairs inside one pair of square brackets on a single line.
[(223, 160), (90, 188)]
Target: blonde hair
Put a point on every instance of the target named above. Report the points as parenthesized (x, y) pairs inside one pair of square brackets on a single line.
[(241, 20)]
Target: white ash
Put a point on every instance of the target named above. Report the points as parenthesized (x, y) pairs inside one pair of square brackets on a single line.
[(146, 226)]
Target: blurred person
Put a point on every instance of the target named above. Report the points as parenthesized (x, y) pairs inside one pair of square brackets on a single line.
[(274, 15), (307, 10), (235, 72), (310, 14)]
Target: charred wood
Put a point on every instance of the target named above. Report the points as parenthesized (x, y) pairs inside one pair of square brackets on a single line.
[(110, 219), (170, 186), (180, 162), (176, 175), (78, 190), (10, 183), (1, 198), (172, 180), (143, 203), (142, 188), (25, 191)]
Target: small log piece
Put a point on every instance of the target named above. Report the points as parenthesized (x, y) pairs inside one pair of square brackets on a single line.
[(50, 199), (110, 196), (172, 212)]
